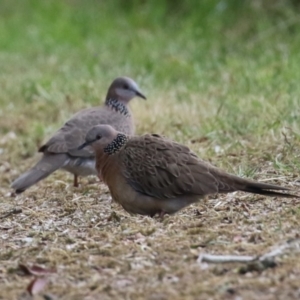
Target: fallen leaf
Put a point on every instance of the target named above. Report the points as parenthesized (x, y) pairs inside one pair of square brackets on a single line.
[(36, 285), (35, 270)]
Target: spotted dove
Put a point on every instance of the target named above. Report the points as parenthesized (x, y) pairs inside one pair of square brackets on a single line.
[(151, 175), (60, 152)]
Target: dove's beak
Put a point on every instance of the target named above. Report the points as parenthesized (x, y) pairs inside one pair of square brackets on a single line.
[(139, 94), (85, 144)]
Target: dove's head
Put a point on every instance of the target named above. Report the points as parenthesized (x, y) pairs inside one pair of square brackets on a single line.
[(124, 89), (105, 139)]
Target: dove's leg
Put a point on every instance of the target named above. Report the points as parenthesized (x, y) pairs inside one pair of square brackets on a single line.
[(75, 180)]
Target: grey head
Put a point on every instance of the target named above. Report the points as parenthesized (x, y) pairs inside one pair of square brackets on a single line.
[(124, 89), (104, 137)]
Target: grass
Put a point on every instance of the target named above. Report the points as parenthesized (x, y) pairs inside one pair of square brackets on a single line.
[(221, 77)]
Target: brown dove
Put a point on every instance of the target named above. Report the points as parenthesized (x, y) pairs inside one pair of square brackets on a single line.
[(61, 152), (151, 175)]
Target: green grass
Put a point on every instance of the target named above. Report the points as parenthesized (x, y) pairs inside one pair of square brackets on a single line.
[(224, 74)]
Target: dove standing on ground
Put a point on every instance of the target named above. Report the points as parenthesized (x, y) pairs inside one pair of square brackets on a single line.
[(151, 175), (61, 151)]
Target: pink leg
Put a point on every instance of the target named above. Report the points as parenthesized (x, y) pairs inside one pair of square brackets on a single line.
[(75, 181), (162, 214), (100, 177)]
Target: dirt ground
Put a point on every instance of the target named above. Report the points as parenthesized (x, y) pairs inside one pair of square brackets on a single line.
[(91, 248)]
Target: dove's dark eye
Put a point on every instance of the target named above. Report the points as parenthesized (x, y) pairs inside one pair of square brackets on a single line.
[(126, 87), (98, 136)]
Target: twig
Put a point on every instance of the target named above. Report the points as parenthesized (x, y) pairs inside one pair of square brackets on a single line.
[(286, 138), (11, 212), (219, 259), (267, 257)]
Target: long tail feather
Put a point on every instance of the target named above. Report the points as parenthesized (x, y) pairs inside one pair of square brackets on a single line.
[(266, 189), (47, 165)]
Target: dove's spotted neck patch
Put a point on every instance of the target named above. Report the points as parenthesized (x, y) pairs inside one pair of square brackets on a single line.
[(116, 144), (117, 106)]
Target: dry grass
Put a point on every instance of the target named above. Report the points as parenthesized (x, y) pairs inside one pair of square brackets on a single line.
[(100, 251)]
